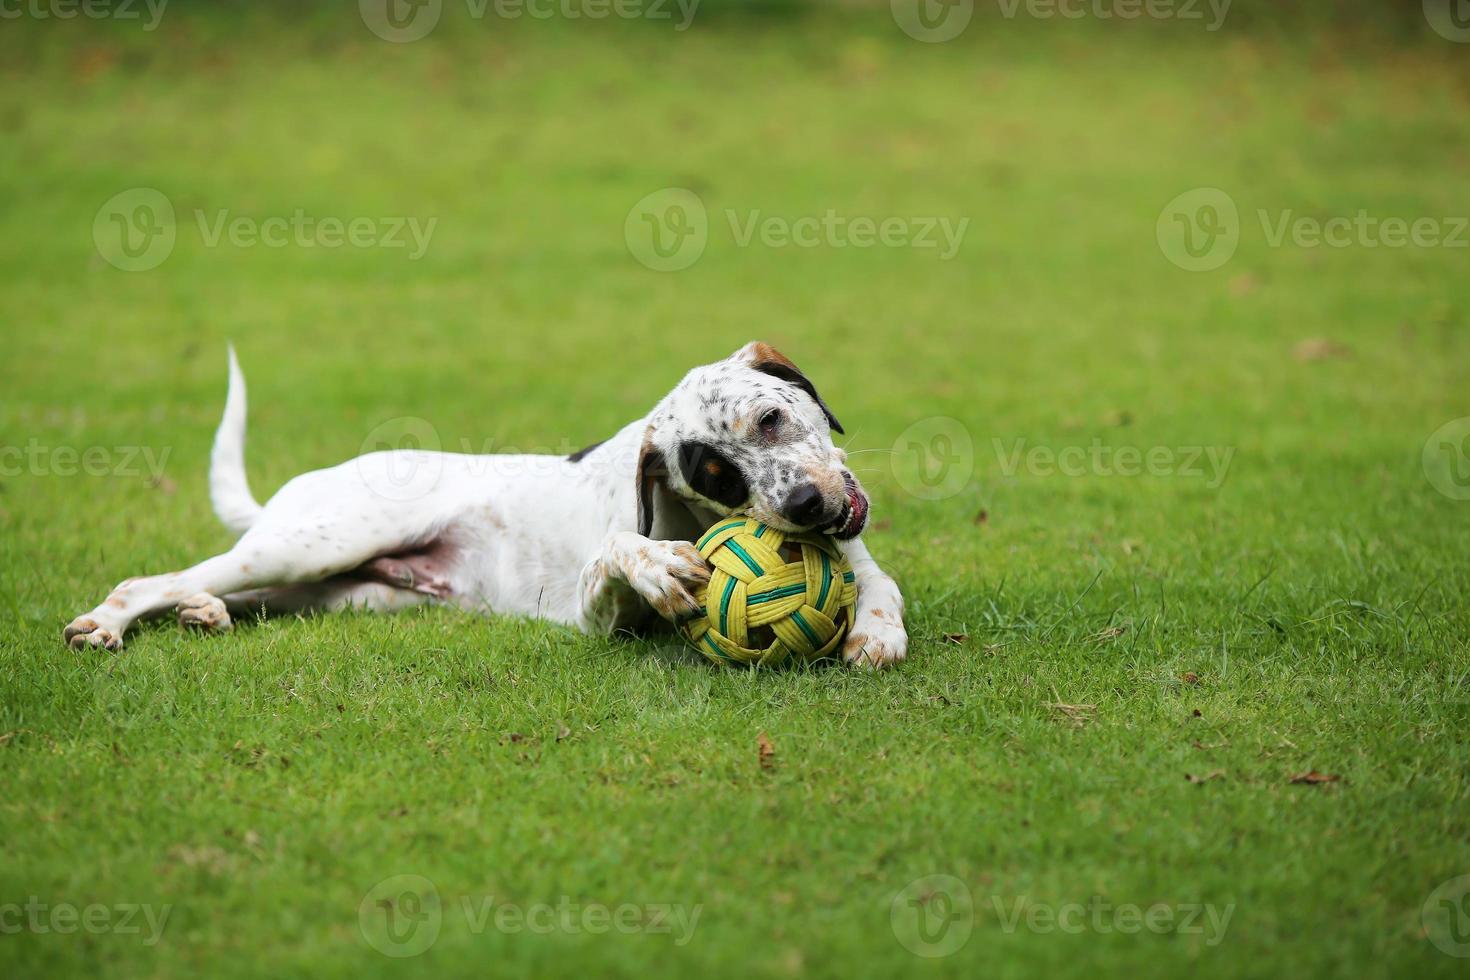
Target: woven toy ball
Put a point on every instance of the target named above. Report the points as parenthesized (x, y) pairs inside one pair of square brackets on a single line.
[(771, 595)]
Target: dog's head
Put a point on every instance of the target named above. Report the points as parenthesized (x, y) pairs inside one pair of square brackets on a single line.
[(750, 435)]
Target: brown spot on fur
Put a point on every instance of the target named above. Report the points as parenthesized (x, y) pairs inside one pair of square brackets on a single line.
[(764, 355), (115, 602)]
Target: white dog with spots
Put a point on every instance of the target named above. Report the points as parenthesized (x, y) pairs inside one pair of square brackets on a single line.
[(598, 539)]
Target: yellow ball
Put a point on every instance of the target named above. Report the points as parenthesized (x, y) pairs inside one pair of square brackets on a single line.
[(771, 596)]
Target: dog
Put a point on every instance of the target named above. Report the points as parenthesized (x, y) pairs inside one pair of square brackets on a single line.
[(601, 539)]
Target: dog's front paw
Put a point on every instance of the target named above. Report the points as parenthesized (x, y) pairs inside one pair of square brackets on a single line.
[(204, 612), (84, 632), (667, 574), (878, 639)]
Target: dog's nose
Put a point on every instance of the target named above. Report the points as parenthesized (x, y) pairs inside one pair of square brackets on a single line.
[(804, 506)]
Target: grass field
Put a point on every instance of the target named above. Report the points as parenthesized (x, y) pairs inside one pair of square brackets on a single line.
[(1113, 678)]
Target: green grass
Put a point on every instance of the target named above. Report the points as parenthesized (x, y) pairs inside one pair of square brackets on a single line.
[(261, 784)]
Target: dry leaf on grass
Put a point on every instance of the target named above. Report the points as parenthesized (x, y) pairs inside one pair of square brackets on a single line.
[(1077, 714), (1320, 349), (1314, 778), (956, 638), (1212, 774), (1111, 633), (1243, 284), (765, 751), (1189, 677)]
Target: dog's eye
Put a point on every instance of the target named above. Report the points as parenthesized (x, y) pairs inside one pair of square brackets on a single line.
[(771, 421)]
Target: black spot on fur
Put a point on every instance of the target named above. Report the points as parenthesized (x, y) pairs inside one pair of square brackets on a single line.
[(712, 475), (581, 454)]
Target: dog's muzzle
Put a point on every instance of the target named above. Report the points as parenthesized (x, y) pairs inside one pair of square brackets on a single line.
[(854, 516)]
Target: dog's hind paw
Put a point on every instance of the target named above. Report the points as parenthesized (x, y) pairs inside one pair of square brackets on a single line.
[(84, 632), (204, 612)]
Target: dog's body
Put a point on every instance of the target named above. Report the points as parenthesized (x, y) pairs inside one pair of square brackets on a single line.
[(598, 539)]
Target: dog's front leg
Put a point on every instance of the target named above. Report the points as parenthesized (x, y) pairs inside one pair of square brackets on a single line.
[(878, 636), (633, 574)]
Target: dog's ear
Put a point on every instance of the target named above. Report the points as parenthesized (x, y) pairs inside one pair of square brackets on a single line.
[(652, 471), (768, 360)]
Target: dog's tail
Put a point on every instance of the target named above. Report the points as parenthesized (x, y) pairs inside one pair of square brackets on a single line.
[(229, 490)]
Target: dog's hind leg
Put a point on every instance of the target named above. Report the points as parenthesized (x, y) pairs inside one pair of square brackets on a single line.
[(265, 556), (336, 593)]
